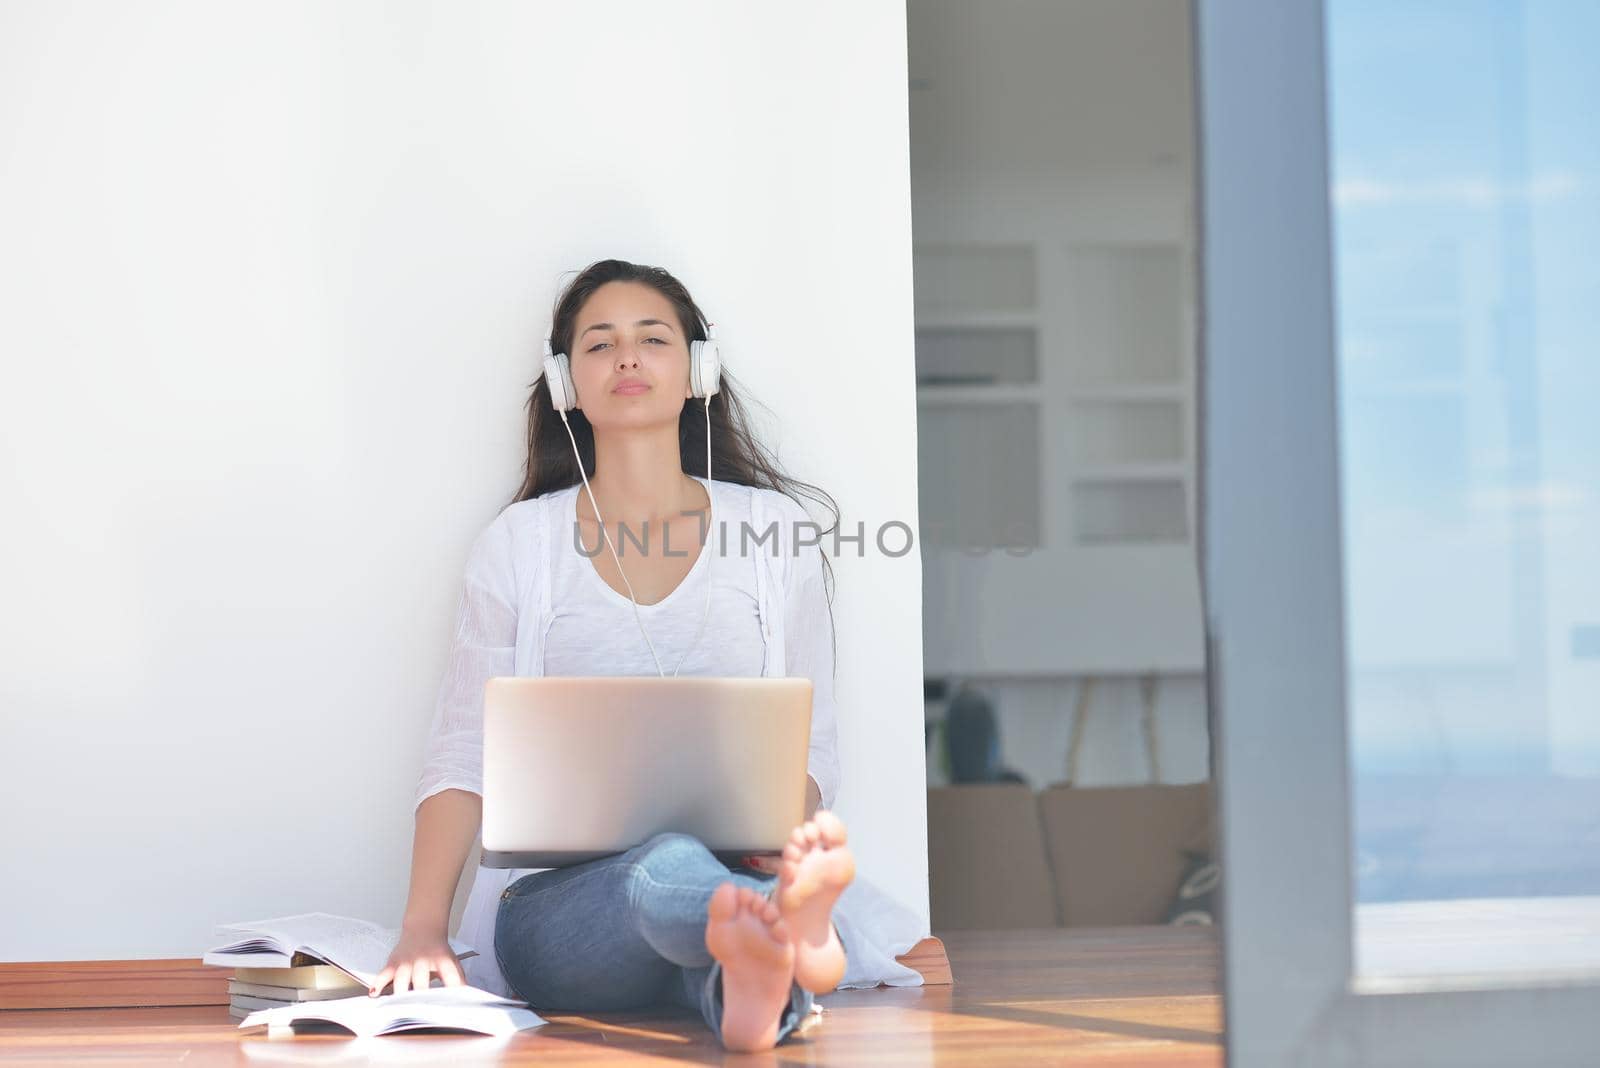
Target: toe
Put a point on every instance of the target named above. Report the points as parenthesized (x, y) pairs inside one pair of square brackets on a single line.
[(832, 828), (793, 853), (724, 902)]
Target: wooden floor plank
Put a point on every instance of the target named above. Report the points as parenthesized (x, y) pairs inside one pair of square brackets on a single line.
[(1116, 996)]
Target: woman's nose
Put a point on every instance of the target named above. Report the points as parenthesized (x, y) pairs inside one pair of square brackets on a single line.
[(627, 355)]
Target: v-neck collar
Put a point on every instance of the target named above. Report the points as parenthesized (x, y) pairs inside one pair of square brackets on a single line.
[(701, 562)]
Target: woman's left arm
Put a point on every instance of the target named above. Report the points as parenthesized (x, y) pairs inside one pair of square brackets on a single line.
[(809, 652)]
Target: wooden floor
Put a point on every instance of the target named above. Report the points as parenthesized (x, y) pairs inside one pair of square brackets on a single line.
[(1116, 996)]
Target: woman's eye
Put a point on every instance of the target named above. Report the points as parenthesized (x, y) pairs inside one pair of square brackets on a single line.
[(596, 346)]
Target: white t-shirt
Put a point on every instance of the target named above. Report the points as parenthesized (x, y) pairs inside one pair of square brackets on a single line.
[(592, 629), (533, 604)]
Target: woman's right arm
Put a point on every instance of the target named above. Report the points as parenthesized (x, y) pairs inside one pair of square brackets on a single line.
[(449, 807), (447, 824)]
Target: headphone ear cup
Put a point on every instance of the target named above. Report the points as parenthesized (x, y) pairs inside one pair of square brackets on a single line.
[(558, 380), (705, 368)]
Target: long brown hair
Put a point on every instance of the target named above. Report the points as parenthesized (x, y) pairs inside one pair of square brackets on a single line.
[(736, 454)]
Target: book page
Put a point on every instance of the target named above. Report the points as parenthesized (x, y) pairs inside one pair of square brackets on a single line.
[(453, 1006), (299, 976), (482, 1019), (358, 946), (244, 958)]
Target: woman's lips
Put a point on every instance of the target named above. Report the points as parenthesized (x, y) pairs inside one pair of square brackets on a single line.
[(631, 388)]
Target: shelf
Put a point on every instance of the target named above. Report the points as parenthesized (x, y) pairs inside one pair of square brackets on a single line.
[(1124, 313), (977, 320), (961, 280), (1133, 472), (964, 497), (1007, 354), (1126, 512), (1108, 433), (1127, 391), (976, 393)]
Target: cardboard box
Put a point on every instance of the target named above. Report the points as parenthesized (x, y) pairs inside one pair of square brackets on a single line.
[(1118, 852), (986, 858)]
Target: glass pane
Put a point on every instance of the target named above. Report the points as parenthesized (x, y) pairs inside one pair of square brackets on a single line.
[(1466, 208)]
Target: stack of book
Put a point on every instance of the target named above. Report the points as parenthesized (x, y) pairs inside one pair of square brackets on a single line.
[(353, 951), (306, 979), (301, 972)]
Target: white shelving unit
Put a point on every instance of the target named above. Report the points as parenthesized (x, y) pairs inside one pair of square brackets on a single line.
[(1127, 365), (979, 394), (1055, 421)]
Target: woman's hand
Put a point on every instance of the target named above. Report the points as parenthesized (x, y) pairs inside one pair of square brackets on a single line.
[(418, 954)]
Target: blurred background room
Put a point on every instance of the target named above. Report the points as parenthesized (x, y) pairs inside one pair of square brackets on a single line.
[(1052, 176)]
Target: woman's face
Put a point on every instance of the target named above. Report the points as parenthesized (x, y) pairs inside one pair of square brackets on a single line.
[(629, 358)]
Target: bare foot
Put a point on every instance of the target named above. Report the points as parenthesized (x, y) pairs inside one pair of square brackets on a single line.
[(815, 869), (747, 934)]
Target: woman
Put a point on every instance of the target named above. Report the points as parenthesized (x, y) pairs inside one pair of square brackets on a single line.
[(665, 921)]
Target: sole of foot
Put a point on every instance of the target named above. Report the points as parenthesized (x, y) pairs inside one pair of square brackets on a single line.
[(747, 934), (815, 868)]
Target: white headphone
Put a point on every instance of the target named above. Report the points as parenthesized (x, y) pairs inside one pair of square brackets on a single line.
[(705, 379)]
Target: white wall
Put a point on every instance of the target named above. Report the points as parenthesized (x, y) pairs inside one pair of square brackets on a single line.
[(277, 276)]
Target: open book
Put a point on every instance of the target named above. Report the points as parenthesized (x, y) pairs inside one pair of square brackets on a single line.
[(460, 1008), (356, 947)]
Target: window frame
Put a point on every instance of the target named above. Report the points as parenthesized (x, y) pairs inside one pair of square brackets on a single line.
[(1271, 524)]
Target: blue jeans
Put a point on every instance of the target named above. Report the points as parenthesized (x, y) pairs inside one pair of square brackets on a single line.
[(624, 932)]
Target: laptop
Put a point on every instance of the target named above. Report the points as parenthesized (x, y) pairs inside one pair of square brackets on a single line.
[(580, 768)]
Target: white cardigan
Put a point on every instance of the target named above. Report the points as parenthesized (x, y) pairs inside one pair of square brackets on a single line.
[(501, 622)]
